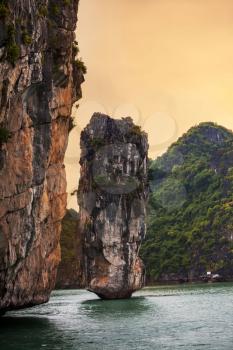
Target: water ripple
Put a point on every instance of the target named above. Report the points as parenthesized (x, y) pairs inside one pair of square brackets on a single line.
[(185, 317)]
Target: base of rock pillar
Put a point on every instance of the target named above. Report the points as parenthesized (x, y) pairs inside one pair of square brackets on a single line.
[(116, 296)]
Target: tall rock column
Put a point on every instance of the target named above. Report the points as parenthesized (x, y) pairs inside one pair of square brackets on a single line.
[(40, 80), (112, 198)]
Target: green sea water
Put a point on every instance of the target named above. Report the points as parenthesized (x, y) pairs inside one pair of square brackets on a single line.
[(181, 317)]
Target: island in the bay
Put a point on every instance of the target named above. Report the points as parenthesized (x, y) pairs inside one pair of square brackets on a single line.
[(112, 197)]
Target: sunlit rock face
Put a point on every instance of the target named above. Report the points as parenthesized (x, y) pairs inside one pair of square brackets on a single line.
[(39, 82), (112, 198)]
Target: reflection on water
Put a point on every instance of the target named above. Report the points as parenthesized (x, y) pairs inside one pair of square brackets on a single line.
[(8, 322), (173, 317), (24, 333), (115, 308)]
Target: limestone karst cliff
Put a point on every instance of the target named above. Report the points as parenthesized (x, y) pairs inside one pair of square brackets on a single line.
[(112, 198), (40, 79)]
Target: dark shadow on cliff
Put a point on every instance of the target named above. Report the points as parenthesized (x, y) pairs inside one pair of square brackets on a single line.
[(115, 308)]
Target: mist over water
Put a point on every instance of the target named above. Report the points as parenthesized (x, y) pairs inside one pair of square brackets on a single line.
[(178, 317)]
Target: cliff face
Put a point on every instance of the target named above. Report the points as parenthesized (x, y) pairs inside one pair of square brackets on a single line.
[(112, 198), (39, 82)]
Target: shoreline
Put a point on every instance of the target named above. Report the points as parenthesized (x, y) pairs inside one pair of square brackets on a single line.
[(159, 284), (170, 283)]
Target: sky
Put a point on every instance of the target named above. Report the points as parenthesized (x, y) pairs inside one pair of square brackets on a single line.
[(166, 63)]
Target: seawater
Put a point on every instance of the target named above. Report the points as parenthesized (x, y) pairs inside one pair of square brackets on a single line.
[(180, 317)]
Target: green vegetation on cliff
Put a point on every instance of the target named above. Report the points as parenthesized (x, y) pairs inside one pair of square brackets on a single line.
[(190, 221), (4, 135), (70, 270)]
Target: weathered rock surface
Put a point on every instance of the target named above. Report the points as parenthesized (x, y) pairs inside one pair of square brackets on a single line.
[(112, 198), (39, 82)]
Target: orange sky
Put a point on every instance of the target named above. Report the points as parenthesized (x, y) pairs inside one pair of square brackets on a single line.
[(167, 63)]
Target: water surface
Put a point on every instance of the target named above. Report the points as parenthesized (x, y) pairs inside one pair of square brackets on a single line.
[(172, 317)]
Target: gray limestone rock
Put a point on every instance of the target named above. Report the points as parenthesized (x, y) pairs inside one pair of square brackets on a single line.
[(112, 196)]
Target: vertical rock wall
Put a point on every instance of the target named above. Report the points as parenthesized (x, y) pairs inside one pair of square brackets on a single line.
[(39, 82), (112, 198)]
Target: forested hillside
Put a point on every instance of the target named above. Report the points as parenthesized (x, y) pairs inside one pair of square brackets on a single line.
[(190, 219), (70, 270)]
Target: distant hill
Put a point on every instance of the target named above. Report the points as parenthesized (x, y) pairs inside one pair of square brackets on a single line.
[(70, 270), (190, 221)]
